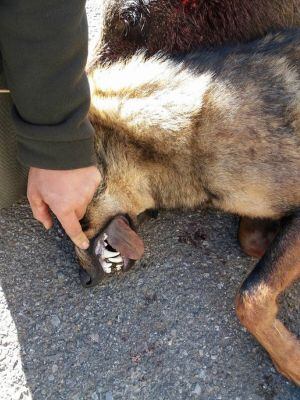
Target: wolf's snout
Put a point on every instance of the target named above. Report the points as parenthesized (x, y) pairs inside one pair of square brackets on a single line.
[(113, 250), (88, 279)]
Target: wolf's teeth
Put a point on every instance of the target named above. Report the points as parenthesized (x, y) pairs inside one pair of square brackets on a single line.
[(107, 267), (116, 260), (105, 236), (119, 267), (108, 254)]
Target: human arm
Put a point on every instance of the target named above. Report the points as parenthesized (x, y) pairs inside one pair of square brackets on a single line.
[(44, 50)]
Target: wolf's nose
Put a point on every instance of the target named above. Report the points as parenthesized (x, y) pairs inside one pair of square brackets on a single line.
[(87, 280)]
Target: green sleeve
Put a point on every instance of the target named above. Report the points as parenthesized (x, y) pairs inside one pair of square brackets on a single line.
[(44, 50)]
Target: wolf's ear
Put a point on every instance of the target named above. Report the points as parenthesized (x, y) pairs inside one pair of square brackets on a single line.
[(134, 20), (124, 239)]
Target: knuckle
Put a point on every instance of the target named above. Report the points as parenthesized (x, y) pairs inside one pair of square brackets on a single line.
[(85, 197), (33, 197), (35, 215), (75, 235), (38, 216)]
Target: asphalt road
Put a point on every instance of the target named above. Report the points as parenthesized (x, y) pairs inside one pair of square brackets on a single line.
[(167, 330)]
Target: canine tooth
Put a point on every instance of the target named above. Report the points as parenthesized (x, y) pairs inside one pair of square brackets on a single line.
[(108, 254), (119, 267), (105, 236), (115, 260)]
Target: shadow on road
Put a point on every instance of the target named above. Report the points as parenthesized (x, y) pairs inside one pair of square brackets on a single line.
[(166, 330)]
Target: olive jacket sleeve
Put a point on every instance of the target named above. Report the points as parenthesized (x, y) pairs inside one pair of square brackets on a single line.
[(43, 48)]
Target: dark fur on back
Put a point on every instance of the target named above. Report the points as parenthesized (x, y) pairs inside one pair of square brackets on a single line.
[(181, 25)]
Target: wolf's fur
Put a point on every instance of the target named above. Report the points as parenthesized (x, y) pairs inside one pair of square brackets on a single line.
[(173, 26), (213, 128), (219, 128), (183, 25)]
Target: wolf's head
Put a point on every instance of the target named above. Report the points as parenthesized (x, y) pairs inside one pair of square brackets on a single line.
[(146, 114)]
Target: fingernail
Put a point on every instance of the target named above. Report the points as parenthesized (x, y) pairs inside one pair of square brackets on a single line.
[(85, 245)]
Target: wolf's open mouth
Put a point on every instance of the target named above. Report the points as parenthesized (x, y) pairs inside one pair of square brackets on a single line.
[(110, 259), (114, 250)]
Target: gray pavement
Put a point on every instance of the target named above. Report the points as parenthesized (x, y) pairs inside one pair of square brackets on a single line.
[(166, 330)]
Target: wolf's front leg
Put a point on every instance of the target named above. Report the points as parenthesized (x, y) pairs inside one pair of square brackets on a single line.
[(256, 304)]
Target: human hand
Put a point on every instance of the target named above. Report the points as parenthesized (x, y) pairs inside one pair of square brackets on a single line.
[(67, 194)]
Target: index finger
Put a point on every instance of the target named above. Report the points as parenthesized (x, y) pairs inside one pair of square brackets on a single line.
[(73, 229)]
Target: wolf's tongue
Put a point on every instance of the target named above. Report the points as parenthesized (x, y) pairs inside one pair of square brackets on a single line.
[(123, 239)]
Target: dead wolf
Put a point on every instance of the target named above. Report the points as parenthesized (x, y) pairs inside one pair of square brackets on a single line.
[(214, 128), (176, 26)]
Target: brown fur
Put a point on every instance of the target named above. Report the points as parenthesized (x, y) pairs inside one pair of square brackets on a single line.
[(176, 26), (216, 128), (212, 131)]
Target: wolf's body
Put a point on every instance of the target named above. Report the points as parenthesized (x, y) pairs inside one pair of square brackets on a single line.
[(221, 128), (174, 26), (214, 128)]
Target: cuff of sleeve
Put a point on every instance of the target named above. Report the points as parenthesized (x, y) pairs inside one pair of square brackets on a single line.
[(56, 155)]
